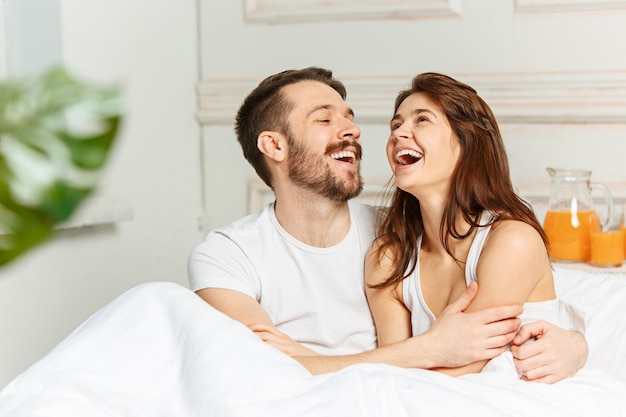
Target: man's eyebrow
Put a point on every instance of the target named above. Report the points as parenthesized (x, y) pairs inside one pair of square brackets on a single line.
[(350, 112)]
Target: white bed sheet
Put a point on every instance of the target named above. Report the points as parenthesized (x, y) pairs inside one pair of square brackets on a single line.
[(158, 350)]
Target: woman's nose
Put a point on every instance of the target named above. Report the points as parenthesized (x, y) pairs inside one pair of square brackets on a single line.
[(401, 132)]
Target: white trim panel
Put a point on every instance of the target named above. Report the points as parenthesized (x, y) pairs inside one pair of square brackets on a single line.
[(375, 192), (289, 11), (598, 97), (567, 5)]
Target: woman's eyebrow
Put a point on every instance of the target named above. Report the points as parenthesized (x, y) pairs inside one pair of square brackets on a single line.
[(394, 118), (415, 112), (418, 111)]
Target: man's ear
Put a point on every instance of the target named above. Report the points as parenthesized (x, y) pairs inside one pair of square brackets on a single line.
[(273, 145)]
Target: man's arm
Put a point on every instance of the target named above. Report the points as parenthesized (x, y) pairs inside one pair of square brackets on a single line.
[(236, 305), (455, 339), (249, 312)]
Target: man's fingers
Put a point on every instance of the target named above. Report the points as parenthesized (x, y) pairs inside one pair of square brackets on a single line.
[(263, 327), (461, 303), (502, 339), (529, 331), (493, 352), (541, 374), (525, 359), (255, 327), (525, 350), (502, 313), (532, 365), (505, 329)]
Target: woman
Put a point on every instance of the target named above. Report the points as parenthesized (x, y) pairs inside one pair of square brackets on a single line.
[(454, 218)]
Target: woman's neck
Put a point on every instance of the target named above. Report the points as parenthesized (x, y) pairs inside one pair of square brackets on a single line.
[(433, 218)]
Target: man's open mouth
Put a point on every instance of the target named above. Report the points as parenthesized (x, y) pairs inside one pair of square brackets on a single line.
[(344, 156)]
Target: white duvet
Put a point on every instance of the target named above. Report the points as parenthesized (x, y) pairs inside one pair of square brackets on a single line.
[(158, 350)]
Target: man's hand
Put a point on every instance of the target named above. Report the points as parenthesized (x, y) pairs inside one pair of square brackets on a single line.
[(272, 336), (555, 354), (464, 338)]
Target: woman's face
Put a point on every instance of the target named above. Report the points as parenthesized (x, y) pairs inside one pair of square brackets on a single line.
[(422, 148)]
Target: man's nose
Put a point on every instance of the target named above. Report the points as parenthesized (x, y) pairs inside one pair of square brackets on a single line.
[(351, 130)]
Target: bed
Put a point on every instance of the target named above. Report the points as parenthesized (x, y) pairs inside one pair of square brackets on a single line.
[(158, 350)]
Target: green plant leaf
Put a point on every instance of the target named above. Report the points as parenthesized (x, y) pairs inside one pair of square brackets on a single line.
[(55, 137)]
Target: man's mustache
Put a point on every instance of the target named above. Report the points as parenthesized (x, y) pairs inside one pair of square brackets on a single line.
[(346, 144)]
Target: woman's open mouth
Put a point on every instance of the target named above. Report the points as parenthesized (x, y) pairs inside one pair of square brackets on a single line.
[(407, 156)]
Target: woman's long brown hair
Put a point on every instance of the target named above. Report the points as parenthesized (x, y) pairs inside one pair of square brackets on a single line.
[(481, 180)]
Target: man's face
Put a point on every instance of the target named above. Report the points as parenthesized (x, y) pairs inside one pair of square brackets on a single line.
[(324, 143)]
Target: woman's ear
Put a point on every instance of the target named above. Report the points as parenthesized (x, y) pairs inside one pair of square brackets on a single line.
[(273, 145)]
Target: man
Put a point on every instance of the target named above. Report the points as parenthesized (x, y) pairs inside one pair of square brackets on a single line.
[(293, 273)]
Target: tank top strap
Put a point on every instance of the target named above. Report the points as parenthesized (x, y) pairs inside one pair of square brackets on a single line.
[(476, 247)]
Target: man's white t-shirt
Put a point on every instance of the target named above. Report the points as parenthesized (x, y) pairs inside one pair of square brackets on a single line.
[(314, 295)]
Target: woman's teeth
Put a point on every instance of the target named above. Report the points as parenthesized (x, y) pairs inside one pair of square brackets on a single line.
[(407, 156)]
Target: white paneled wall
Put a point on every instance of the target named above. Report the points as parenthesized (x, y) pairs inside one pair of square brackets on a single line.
[(149, 48), (553, 71)]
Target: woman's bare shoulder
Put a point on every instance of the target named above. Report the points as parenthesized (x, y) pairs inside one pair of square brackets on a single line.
[(514, 235), (379, 263)]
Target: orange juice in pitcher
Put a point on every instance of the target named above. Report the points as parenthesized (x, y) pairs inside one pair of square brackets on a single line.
[(569, 234), (570, 216)]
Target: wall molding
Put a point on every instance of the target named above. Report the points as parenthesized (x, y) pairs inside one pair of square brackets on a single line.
[(259, 194), (374, 193), (289, 11), (561, 6), (556, 97)]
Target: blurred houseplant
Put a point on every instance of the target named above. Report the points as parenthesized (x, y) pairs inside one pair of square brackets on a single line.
[(55, 135)]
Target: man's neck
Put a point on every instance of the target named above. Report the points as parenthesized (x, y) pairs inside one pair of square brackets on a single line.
[(313, 220)]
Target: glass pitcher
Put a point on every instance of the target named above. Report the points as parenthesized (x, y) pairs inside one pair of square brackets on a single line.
[(570, 216)]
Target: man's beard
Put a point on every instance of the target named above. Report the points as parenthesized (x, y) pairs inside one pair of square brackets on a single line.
[(311, 171)]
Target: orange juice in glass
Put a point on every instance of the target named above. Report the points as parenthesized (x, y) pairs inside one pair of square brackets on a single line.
[(623, 229), (607, 243), (569, 234), (607, 247), (622, 226)]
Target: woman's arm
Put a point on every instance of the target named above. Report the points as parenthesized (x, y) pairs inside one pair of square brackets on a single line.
[(513, 268), (391, 317), (454, 338)]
